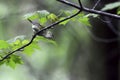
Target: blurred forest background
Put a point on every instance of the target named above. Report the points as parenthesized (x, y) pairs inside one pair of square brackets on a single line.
[(83, 53)]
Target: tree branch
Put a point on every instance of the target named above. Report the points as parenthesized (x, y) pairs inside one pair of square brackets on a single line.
[(98, 1), (34, 36), (80, 4), (90, 10), (19, 49)]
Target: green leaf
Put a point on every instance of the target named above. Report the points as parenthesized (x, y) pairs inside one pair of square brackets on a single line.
[(118, 12), (42, 16), (16, 59), (52, 17), (43, 13), (111, 6), (43, 20), (64, 22), (13, 61), (36, 15), (41, 38), (16, 42), (69, 12), (31, 16), (12, 64), (3, 44), (81, 15), (31, 48), (84, 20), (2, 62), (21, 37), (25, 42)]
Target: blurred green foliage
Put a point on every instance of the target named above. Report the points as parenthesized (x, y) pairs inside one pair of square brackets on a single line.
[(111, 6)]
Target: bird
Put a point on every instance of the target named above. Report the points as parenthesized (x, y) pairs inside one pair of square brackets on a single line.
[(36, 27)]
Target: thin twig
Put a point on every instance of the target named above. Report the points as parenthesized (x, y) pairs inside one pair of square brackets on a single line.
[(98, 1), (111, 26), (48, 27), (34, 36), (90, 10), (80, 4), (19, 49)]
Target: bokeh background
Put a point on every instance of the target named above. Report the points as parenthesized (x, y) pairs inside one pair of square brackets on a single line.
[(82, 53)]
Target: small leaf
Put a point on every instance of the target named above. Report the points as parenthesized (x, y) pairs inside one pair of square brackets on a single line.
[(31, 48), (85, 21), (31, 16), (2, 62), (81, 15), (64, 22), (28, 50), (25, 42), (42, 16), (16, 59), (17, 42), (43, 13), (21, 37), (3, 44), (52, 17), (42, 20), (12, 64), (13, 61), (111, 6), (118, 12), (36, 15), (70, 12), (41, 38)]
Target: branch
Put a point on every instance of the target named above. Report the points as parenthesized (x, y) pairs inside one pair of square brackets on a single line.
[(98, 1), (19, 49), (34, 36), (50, 26), (111, 26), (80, 4), (90, 10)]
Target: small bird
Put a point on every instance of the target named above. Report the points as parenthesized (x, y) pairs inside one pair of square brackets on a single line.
[(36, 27)]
